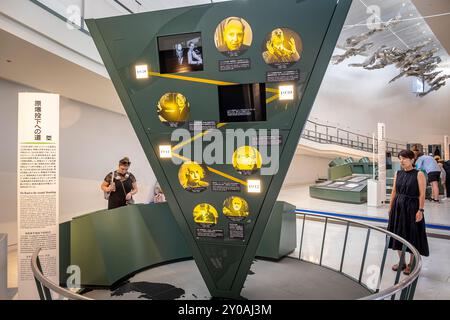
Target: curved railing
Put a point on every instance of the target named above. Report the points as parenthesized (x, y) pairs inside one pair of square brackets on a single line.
[(327, 134), (405, 287), (45, 286), (402, 288)]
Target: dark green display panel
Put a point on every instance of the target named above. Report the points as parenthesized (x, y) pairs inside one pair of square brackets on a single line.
[(129, 41), (110, 246)]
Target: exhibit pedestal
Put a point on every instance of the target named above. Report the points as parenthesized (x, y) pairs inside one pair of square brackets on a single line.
[(109, 246), (373, 193), (280, 236)]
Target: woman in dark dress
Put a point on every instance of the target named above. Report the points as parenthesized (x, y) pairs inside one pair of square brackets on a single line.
[(406, 216)]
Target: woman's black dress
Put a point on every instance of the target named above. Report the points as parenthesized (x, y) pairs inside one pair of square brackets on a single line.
[(402, 218)]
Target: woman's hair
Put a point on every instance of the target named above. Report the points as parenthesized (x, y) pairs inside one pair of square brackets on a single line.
[(406, 154)]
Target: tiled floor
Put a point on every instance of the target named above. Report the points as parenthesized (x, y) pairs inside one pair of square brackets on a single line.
[(299, 196)]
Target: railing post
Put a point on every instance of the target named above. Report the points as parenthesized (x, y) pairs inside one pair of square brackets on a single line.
[(400, 268), (383, 263), (412, 289), (345, 246), (323, 241), (301, 238), (364, 256), (46, 291)]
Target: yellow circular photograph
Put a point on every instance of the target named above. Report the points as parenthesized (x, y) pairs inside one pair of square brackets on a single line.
[(233, 36), (247, 160), (235, 208), (173, 109), (205, 214), (192, 177), (283, 47)]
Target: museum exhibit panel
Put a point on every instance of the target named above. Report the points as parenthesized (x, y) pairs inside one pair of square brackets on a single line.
[(208, 70), (259, 139)]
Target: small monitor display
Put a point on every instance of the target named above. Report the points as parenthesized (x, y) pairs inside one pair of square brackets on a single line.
[(242, 103), (180, 53)]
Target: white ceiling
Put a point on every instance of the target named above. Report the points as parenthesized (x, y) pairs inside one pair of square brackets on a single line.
[(413, 29), (27, 64), (439, 24)]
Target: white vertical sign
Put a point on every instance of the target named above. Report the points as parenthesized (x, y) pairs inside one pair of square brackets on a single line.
[(382, 161), (38, 188)]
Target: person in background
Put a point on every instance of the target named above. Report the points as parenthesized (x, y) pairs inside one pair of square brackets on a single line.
[(446, 167), (124, 187), (416, 151), (430, 166), (443, 177), (158, 196), (406, 215)]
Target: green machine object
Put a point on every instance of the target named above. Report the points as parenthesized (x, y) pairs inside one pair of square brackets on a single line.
[(188, 77), (347, 181)]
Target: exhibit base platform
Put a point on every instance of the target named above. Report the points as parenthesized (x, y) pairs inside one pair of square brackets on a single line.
[(110, 246), (286, 279), (352, 189)]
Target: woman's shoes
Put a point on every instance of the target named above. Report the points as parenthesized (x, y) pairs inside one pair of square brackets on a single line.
[(407, 270), (396, 266)]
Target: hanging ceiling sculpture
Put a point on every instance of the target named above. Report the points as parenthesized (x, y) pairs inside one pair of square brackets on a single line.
[(413, 62)]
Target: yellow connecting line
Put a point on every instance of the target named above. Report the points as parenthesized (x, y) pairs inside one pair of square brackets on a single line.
[(220, 173), (209, 81), (220, 125), (182, 144)]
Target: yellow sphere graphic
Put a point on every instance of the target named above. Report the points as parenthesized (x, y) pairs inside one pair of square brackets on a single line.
[(247, 160), (235, 207), (191, 177), (173, 108), (205, 213)]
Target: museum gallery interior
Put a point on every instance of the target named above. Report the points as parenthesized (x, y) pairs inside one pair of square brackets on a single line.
[(225, 150)]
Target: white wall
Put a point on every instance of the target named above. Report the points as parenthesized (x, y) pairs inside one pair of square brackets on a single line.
[(359, 99), (306, 169), (92, 142)]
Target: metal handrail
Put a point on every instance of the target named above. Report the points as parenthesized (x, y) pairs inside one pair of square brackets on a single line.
[(47, 283), (406, 286), (349, 139), (408, 283)]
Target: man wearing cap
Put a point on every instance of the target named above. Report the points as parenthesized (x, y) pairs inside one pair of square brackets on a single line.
[(120, 186)]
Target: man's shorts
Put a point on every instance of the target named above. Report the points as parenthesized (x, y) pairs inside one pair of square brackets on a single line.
[(434, 176)]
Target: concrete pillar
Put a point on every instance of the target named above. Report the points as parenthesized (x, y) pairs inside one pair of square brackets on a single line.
[(3, 266)]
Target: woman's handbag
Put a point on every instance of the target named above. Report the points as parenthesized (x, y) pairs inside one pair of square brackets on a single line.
[(131, 201)]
